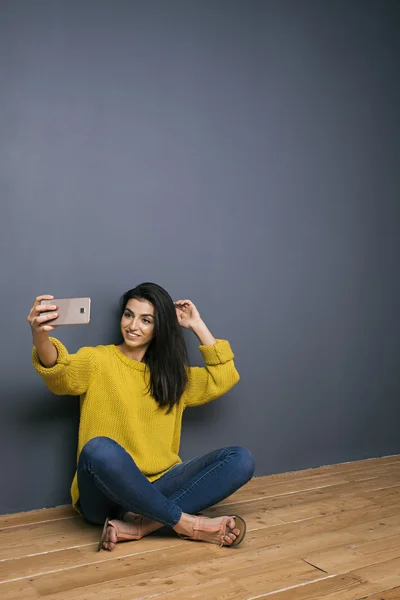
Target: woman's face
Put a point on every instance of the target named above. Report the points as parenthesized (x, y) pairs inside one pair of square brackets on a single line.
[(137, 324)]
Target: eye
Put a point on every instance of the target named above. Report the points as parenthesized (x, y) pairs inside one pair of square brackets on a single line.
[(127, 314), (146, 321)]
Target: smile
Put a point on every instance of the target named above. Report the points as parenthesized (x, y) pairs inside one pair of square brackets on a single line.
[(132, 335)]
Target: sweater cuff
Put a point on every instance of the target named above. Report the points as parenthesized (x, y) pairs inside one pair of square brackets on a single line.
[(63, 360), (219, 353)]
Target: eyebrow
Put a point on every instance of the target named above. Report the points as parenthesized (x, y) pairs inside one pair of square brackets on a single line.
[(142, 315)]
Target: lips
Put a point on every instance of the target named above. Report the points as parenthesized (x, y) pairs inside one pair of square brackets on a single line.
[(132, 336)]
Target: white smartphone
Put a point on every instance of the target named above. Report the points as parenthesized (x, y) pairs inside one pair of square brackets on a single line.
[(71, 311)]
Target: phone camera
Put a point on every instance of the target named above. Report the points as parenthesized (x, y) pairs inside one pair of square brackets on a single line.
[(82, 310)]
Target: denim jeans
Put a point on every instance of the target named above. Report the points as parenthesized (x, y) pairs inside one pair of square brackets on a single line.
[(111, 484)]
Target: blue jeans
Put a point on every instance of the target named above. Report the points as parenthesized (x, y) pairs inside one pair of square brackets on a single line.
[(111, 484)]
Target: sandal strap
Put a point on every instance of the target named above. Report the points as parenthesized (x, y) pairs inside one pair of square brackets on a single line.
[(196, 528), (126, 535), (202, 524)]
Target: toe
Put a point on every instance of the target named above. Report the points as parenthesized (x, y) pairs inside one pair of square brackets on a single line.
[(112, 536), (227, 540), (111, 539)]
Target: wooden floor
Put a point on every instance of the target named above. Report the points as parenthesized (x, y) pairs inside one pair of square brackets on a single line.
[(324, 534)]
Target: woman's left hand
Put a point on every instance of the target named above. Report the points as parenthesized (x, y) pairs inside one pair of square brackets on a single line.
[(187, 313)]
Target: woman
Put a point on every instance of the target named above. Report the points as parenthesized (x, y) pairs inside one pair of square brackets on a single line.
[(129, 475)]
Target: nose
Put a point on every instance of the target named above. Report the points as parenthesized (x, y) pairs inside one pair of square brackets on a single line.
[(133, 325)]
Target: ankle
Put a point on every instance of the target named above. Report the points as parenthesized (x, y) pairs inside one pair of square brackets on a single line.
[(185, 525)]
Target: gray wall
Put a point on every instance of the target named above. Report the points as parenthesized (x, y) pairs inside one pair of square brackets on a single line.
[(244, 154)]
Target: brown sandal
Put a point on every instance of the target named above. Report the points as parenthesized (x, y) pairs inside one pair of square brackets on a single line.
[(200, 524), (121, 534)]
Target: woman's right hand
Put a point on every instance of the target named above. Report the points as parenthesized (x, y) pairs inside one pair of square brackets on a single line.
[(40, 323)]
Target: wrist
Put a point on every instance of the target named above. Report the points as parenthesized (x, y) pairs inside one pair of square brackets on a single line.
[(45, 349), (40, 338), (198, 326), (203, 334)]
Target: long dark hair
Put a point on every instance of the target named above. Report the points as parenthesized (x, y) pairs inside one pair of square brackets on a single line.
[(167, 356)]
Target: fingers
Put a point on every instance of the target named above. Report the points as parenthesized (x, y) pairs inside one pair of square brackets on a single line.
[(180, 309), (38, 308), (45, 308), (46, 328), (41, 322), (47, 317), (35, 317), (184, 305), (44, 297)]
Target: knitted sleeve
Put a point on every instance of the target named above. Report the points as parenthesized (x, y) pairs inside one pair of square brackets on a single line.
[(216, 378), (72, 372)]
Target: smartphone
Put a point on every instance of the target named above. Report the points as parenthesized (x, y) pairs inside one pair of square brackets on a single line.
[(71, 311)]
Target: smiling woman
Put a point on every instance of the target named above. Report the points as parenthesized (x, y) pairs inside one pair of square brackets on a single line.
[(150, 327), (137, 327), (129, 474)]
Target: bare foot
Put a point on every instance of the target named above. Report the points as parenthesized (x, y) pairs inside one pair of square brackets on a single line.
[(132, 527), (219, 530)]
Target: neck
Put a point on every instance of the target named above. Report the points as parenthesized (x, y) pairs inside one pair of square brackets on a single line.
[(133, 353)]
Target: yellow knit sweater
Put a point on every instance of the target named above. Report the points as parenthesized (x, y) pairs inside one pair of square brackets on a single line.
[(115, 403)]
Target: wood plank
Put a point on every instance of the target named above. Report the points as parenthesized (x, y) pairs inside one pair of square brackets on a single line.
[(278, 483), (243, 587), (363, 465), (368, 467), (254, 515), (11, 536), (336, 484), (297, 512), (393, 594), (265, 488), (346, 513), (274, 549), (389, 484), (356, 585), (254, 586), (319, 477), (44, 561), (80, 534), (14, 538), (55, 535), (287, 542), (37, 516), (381, 496), (351, 471), (380, 547), (131, 578), (272, 503)]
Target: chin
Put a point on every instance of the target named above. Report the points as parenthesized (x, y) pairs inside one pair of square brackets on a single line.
[(134, 343)]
